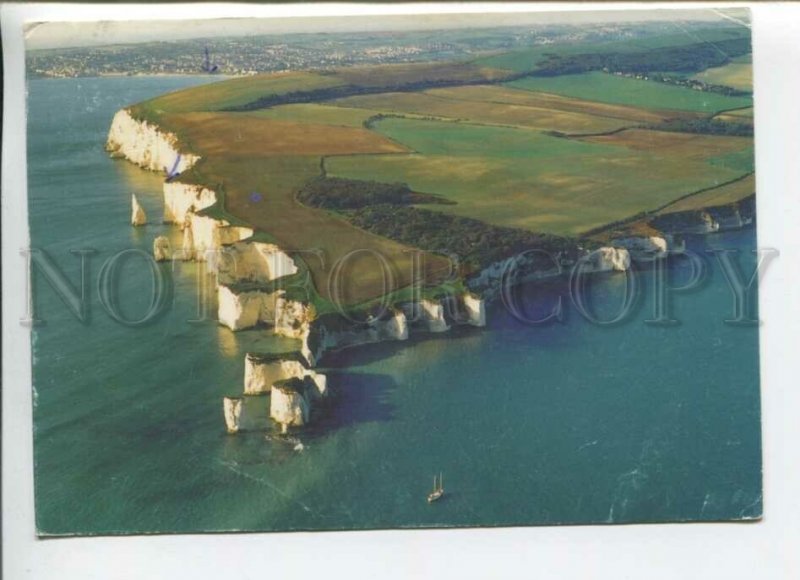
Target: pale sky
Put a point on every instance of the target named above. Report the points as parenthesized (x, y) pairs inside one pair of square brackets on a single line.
[(74, 34)]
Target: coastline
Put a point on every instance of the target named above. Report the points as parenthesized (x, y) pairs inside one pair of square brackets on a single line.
[(255, 292)]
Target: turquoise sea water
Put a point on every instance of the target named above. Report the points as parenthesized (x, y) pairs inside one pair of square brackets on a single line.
[(565, 423)]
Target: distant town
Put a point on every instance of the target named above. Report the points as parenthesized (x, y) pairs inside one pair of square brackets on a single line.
[(249, 55)]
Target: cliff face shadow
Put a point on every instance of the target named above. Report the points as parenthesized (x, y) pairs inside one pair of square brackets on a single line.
[(355, 398), (365, 354)]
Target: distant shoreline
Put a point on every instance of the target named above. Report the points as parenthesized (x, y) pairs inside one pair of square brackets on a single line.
[(128, 75)]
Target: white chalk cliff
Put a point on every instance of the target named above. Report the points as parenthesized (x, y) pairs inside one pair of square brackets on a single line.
[(181, 199), (293, 390), (204, 236), (145, 144), (288, 405), (643, 246), (255, 262), (240, 310), (249, 291), (245, 414), (475, 308), (605, 259), (426, 313), (232, 410), (261, 372), (512, 270), (321, 336)]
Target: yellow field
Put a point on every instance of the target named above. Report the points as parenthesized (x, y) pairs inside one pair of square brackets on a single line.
[(387, 75), (505, 95), (309, 230), (493, 157), (486, 113), (722, 195), (678, 145), (737, 75), (742, 116), (244, 135)]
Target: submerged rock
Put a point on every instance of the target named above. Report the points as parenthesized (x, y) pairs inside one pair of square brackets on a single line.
[(161, 249)]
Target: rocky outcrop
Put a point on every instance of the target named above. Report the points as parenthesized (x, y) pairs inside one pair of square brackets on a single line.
[(261, 371), (150, 147), (145, 144), (475, 309), (253, 262), (239, 309), (204, 235), (292, 318), (686, 222), (232, 410), (293, 391), (183, 199), (643, 247), (289, 403), (730, 217), (138, 217), (245, 414), (334, 332), (162, 251), (605, 259), (426, 313), (514, 270)]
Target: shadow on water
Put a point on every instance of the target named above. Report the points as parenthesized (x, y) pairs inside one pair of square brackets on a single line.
[(355, 398), (366, 354)]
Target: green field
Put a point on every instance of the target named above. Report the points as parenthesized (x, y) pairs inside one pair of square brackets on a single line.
[(318, 114), (522, 178), (718, 196), (486, 113), (464, 140), (526, 60), (606, 88), (542, 154), (233, 92)]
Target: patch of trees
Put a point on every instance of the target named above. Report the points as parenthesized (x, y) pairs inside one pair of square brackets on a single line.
[(704, 126), (697, 85), (475, 243), (688, 58), (337, 193)]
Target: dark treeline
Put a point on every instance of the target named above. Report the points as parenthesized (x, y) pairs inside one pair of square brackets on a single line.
[(704, 126), (351, 90), (689, 58), (698, 85), (336, 193), (476, 243)]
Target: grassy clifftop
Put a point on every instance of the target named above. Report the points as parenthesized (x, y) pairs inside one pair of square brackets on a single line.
[(547, 158)]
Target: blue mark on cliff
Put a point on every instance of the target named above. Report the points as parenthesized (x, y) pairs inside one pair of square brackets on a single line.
[(173, 172), (255, 197)]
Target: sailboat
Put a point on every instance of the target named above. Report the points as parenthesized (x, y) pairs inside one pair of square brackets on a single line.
[(438, 490)]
